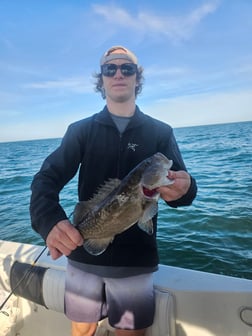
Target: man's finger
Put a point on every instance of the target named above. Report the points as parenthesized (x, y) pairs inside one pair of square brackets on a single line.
[(54, 253), (71, 232)]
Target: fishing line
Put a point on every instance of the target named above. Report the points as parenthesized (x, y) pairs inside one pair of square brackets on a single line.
[(26, 274)]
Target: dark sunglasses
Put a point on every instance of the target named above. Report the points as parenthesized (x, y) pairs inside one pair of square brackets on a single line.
[(127, 69)]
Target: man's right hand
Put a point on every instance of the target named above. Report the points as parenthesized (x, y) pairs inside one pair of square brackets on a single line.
[(63, 239)]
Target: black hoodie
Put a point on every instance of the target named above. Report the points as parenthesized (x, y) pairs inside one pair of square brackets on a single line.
[(95, 147)]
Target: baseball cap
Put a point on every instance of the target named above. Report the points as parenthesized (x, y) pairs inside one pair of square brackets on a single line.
[(116, 52)]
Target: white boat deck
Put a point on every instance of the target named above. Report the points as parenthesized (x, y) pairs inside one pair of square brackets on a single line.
[(189, 303)]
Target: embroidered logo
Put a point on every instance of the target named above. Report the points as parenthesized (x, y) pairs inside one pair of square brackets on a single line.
[(132, 146)]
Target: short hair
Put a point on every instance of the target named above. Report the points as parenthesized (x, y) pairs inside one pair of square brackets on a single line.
[(139, 78)]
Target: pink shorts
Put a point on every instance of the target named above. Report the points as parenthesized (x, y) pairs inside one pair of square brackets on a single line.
[(128, 302)]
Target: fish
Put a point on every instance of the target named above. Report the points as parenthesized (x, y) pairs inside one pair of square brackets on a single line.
[(119, 204)]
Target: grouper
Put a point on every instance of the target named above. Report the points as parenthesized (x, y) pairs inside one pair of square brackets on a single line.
[(120, 204)]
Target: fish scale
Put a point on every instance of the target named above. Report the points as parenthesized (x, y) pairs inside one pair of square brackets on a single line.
[(118, 205)]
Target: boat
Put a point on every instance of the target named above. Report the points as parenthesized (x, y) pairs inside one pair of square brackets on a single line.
[(188, 302)]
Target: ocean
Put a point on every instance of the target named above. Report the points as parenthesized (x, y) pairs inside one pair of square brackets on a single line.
[(213, 235)]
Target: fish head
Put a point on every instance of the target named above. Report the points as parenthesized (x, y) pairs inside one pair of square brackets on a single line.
[(155, 175)]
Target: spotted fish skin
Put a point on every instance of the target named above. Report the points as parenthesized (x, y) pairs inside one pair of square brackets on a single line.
[(118, 205)]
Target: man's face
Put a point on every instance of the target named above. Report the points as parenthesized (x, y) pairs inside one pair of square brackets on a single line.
[(119, 88)]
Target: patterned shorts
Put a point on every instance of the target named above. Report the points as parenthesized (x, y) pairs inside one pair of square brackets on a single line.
[(128, 303)]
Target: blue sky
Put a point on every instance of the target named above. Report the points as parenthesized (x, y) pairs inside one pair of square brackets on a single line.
[(197, 57)]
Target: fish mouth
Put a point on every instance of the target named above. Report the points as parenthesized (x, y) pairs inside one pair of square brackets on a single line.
[(150, 193)]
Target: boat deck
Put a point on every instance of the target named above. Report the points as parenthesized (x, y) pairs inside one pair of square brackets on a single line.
[(188, 303)]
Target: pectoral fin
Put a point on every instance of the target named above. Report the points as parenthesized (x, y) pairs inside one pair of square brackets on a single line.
[(145, 222), (97, 246), (146, 226)]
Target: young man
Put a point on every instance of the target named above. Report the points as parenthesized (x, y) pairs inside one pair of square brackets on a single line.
[(118, 283)]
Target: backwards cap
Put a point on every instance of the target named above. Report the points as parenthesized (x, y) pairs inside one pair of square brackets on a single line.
[(121, 52)]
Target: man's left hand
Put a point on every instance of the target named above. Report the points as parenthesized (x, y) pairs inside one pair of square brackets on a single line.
[(179, 188)]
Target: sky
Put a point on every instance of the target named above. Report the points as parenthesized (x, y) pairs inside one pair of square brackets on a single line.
[(196, 55)]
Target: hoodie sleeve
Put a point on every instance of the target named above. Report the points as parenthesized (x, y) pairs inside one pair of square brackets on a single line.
[(57, 169), (170, 148)]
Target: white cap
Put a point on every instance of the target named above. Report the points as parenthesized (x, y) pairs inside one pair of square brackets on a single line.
[(121, 52)]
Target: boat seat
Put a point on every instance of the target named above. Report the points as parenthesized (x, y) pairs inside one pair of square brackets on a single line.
[(164, 320)]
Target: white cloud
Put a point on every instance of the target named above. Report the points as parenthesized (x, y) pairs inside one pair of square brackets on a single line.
[(179, 112), (9, 114), (19, 69), (203, 109), (174, 27), (72, 84), (163, 72), (29, 131), (7, 43), (191, 80)]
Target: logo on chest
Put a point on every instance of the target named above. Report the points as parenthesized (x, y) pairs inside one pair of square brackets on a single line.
[(132, 146)]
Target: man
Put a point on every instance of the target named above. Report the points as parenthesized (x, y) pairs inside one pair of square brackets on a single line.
[(118, 283)]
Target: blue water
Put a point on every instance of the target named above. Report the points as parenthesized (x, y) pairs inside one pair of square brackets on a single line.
[(213, 235)]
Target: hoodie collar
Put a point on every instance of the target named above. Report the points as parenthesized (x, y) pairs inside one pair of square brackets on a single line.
[(105, 118)]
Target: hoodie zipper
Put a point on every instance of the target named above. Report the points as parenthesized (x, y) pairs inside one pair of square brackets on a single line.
[(119, 154)]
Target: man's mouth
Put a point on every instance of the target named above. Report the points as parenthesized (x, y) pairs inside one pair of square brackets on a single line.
[(119, 85)]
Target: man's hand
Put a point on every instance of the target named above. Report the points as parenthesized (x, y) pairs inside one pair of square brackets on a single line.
[(63, 239), (179, 188)]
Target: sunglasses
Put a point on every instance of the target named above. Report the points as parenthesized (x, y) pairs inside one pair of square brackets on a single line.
[(127, 69)]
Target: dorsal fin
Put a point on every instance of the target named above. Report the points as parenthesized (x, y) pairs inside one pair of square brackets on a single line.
[(103, 191), (83, 207)]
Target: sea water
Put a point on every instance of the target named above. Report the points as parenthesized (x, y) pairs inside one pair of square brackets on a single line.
[(213, 235)]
